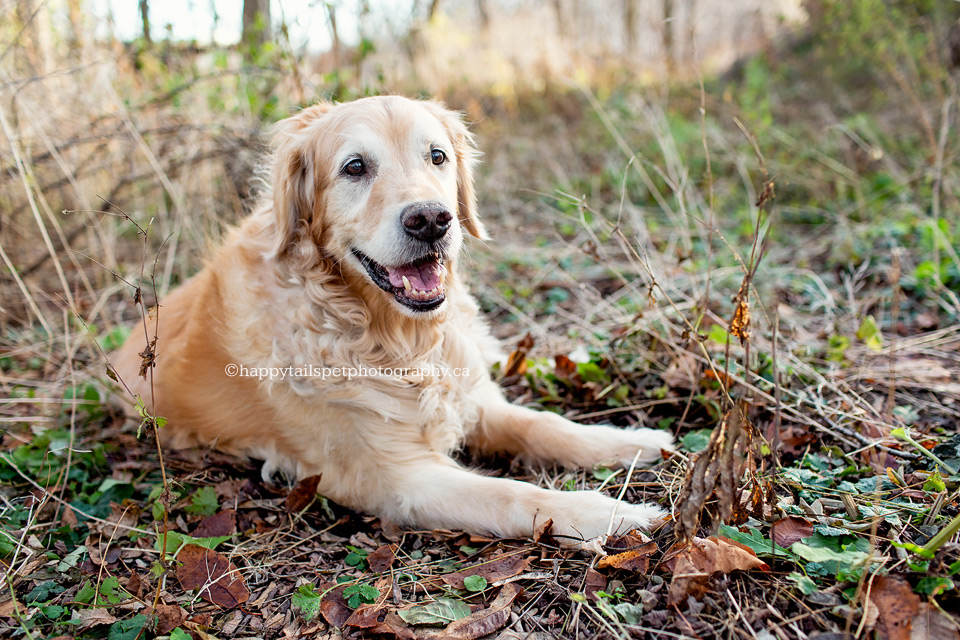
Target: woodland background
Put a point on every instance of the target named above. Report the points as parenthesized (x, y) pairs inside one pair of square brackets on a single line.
[(735, 221)]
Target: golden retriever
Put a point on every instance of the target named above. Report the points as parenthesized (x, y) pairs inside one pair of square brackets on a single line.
[(332, 334)]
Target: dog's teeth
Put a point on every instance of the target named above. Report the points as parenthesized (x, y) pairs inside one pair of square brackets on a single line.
[(443, 274), (406, 285)]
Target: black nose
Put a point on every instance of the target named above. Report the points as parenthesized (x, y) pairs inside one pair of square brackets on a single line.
[(427, 221)]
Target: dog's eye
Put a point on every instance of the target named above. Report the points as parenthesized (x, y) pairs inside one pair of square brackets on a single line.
[(437, 156), (355, 167)]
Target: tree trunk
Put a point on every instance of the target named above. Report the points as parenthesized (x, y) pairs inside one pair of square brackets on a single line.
[(484, 12), (256, 21), (334, 34), (145, 20), (668, 44), (77, 30), (630, 25), (561, 22), (33, 18)]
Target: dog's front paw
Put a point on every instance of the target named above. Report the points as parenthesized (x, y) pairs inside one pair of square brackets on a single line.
[(584, 515), (648, 442)]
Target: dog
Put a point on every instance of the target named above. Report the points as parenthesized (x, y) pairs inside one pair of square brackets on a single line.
[(332, 334)]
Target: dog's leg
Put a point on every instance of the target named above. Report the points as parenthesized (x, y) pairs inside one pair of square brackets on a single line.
[(437, 493), (546, 437)]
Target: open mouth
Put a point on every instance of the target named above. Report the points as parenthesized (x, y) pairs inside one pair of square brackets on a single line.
[(417, 285)]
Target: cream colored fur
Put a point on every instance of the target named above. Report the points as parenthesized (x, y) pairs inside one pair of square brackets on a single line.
[(284, 290)]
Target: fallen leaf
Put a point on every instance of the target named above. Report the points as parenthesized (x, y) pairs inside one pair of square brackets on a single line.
[(636, 560), (564, 366), (442, 611), (367, 616), (169, 617), (93, 617), (594, 581), (379, 620), (135, 585), (302, 494), (10, 607), (898, 604), (682, 373), (333, 606), (516, 364), (487, 620), (218, 525), (792, 529), (499, 568), (541, 534), (213, 574), (693, 565), (931, 624), (381, 559)]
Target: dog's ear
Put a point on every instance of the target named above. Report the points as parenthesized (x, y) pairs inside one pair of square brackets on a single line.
[(293, 178), (467, 157)]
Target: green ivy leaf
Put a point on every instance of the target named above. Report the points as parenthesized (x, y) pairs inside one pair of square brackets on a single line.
[(805, 584), (475, 583), (177, 540), (870, 334), (127, 629), (629, 612), (204, 502), (602, 473), (934, 585), (441, 612), (718, 334), (696, 441), (307, 600), (356, 558), (934, 483), (825, 554), (357, 594), (760, 545)]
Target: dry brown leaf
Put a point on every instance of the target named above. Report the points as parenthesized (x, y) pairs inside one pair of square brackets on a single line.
[(302, 494), (517, 360), (683, 373), (564, 366), (213, 574), (693, 565), (931, 624), (93, 617), (11, 607), (898, 604), (637, 560), (495, 569), (333, 607), (487, 620), (791, 529), (516, 364), (541, 533), (378, 620), (169, 617), (220, 524), (381, 559), (593, 581)]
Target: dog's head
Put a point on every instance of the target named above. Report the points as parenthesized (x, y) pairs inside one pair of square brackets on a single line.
[(383, 186)]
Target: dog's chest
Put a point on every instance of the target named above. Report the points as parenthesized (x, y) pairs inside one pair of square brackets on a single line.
[(429, 398)]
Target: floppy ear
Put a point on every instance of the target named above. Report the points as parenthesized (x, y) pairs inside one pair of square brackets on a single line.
[(467, 157), (293, 178)]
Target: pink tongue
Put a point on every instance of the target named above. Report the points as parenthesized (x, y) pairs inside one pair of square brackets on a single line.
[(422, 278)]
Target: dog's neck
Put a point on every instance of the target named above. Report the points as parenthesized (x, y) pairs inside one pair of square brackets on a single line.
[(359, 306)]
